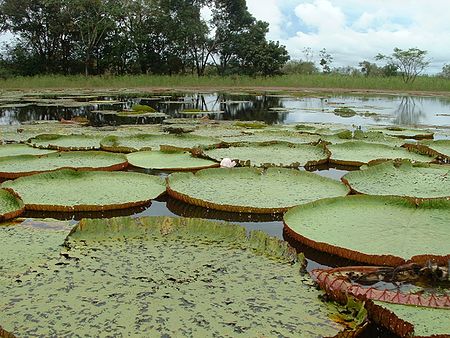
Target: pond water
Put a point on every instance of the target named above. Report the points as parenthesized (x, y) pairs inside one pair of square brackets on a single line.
[(273, 109)]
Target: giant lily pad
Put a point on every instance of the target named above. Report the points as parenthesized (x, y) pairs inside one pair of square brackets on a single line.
[(66, 142), (168, 276), (407, 314), (272, 154), (374, 230), (405, 133), (251, 189), (24, 165), (280, 136), (439, 148), (368, 137), (359, 153), (411, 321), (10, 205), (177, 161), (42, 241), (70, 190), (7, 150), (402, 179), (153, 141)]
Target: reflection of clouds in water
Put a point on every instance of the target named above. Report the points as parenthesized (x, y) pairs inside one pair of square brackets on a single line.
[(405, 110), (410, 111)]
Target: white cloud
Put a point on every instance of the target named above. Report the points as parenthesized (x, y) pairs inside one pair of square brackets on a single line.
[(269, 11), (321, 15), (354, 30)]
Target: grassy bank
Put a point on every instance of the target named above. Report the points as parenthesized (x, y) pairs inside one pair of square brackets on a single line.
[(426, 84)]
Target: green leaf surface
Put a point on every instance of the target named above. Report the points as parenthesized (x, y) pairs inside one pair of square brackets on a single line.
[(166, 276), (133, 143), (168, 160), (9, 203), (7, 150), (271, 154), (30, 244), (22, 165), (368, 137), (253, 190), (279, 136), (375, 225), (439, 148), (359, 153), (426, 321), (405, 132), (86, 190), (402, 179), (66, 142)]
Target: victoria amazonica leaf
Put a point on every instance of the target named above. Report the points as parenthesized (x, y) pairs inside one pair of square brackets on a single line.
[(141, 277), (402, 179), (272, 154), (176, 161), (66, 142), (440, 148), (10, 205), (21, 149), (426, 322), (128, 144), (359, 153), (24, 165), (70, 190), (251, 189), (373, 229)]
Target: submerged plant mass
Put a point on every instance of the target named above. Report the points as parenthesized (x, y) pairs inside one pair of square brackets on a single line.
[(168, 276)]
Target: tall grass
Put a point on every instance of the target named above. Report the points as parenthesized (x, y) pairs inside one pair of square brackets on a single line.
[(431, 84)]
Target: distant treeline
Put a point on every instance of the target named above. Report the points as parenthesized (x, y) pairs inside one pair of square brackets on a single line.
[(136, 37)]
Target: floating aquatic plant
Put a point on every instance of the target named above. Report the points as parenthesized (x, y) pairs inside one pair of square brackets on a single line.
[(251, 189)]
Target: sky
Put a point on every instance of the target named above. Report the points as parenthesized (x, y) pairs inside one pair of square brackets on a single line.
[(357, 30)]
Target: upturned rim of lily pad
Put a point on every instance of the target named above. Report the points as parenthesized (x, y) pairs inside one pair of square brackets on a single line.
[(113, 143), (16, 211), (256, 172), (184, 158), (405, 133), (341, 290), (358, 163), (388, 319), (54, 137), (355, 255), (426, 148), (209, 153), (65, 174), (121, 162), (377, 168)]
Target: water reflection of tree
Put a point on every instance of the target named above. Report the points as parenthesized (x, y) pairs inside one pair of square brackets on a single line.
[(41, 113), (252, 108), (409, 112)]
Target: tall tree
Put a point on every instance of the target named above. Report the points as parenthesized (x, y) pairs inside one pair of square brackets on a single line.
[(93, 19), (43, 28), (325, 61), (409, 62), (241, 44)]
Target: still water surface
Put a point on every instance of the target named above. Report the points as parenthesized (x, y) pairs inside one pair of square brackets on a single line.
[(273, 109)]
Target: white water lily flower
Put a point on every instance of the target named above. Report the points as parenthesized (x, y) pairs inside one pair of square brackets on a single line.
[(227, 163)]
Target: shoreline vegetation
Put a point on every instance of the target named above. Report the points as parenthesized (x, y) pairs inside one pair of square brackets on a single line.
[(324, 82)]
